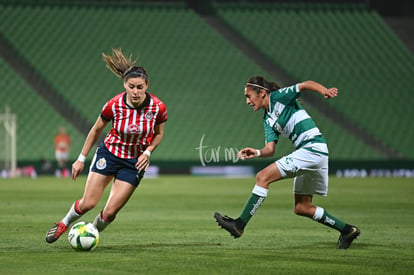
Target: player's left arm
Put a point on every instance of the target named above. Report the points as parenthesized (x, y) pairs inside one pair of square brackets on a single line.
[(144, 159), (314, 86), (158, 134), (159, 127)]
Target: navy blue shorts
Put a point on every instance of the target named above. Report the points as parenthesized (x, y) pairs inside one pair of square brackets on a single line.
[(106, 163)]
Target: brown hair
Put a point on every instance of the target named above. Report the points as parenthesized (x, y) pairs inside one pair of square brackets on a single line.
[(259, 82), (124, 67)]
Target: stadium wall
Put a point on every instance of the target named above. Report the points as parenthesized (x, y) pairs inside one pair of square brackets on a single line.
[(209, 68)]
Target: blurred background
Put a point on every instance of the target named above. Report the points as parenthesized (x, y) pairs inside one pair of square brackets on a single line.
[(199, 55)]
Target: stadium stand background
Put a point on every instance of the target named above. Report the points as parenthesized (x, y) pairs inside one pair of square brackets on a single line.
[(199, 55)]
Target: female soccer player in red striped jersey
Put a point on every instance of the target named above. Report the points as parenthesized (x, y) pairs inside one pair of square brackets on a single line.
[(138, 119)]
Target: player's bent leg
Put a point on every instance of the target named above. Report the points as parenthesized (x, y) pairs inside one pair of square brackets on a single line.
[(236, 226), (269, 174), (94, 188), (303, 205), (120, 193), (100, 222)]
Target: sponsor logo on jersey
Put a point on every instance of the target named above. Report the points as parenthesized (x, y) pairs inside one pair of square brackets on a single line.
[(133, 128), (101, 164)]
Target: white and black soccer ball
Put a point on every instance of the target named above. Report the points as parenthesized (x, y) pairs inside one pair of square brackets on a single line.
[(83, 236)]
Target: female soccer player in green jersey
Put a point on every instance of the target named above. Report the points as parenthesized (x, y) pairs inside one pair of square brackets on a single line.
[(307, 165)]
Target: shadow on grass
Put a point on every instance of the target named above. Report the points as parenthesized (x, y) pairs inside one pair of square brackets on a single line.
[(160, 245)]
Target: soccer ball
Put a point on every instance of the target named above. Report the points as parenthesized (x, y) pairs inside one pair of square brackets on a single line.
[(83, 236)]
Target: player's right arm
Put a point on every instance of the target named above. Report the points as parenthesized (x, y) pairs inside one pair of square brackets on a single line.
[(91, 139)]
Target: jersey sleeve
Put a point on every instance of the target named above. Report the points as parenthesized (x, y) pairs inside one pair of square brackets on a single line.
[(106, 113), (270, 134), (287, 94), (162, 117)]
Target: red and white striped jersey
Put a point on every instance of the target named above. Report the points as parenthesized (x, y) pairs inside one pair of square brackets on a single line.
[(132, 129)]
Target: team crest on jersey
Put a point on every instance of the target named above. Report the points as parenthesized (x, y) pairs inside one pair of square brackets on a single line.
[(101, 164), (133, 128), (149, 115)]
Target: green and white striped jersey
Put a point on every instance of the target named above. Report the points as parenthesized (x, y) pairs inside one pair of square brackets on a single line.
[(286, 116)]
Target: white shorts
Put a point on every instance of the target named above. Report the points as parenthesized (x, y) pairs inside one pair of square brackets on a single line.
[(61, 155), (309, 170)]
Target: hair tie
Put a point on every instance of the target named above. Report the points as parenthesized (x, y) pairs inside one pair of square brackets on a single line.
[(255, 85), (131, 73)]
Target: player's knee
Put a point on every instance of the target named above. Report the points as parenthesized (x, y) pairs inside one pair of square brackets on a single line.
[(86, 205), (261, 179), (301, 210), (108, 216)]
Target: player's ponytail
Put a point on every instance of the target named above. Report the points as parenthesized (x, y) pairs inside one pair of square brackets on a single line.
[(123, 67), (274, 86), (117, 62)]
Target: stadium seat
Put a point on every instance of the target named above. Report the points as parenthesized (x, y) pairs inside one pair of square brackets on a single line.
[(200, 76)]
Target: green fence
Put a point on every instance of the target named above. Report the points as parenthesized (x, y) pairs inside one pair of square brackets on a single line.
[(200, 75)]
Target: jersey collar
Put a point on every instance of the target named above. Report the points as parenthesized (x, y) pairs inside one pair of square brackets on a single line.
[(143, 105)]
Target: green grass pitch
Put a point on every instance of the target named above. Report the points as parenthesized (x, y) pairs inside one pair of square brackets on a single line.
[(167, 227)]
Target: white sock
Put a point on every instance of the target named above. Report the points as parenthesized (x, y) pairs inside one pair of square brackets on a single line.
[(71, 216), (100, 223), (318, 213), (260, 191)]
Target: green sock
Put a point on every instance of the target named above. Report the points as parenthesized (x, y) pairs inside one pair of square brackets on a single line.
[(253, 203), (322, 216)]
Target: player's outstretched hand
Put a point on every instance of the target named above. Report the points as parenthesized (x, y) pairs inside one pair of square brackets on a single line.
[(77, 168), (247, 153), (331, 92), (143, 162)]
